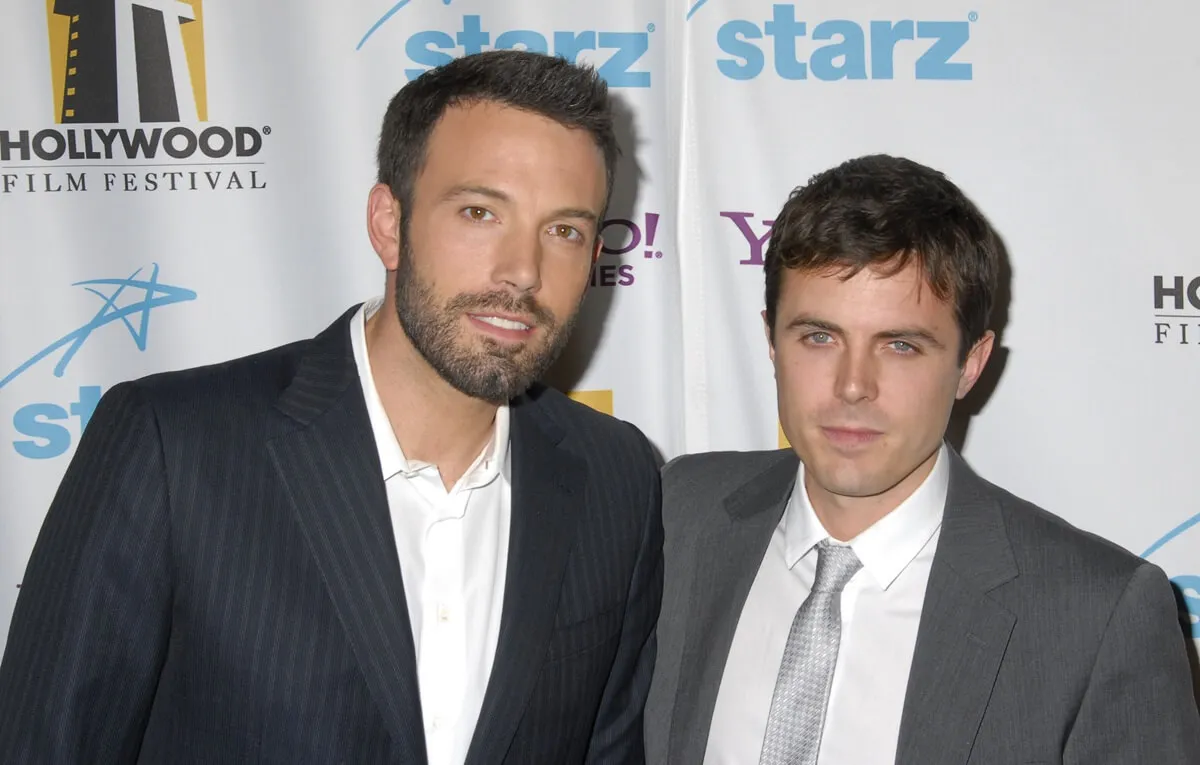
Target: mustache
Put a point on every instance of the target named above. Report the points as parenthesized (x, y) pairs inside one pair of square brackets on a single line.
[(504, 302)]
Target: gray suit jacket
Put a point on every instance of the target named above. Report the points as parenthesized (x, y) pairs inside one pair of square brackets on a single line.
[(1038, 643)]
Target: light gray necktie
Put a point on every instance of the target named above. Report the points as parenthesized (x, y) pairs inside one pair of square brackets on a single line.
[(802, 689)]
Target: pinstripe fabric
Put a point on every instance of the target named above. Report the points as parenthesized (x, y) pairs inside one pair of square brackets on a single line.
[(217, 582)]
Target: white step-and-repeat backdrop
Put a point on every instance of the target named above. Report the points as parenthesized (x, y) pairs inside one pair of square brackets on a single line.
[(183, 182)]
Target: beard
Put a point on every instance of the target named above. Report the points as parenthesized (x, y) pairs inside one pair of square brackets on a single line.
[(493, 372)]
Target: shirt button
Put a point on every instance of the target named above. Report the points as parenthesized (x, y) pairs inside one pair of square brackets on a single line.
[(437, 723), (443, 612)]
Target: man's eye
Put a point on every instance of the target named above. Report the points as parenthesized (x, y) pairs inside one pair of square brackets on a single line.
[(477, 213), (566, 232)]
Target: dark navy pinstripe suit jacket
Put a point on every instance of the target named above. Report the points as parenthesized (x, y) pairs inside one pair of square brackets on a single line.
[(217, 582)]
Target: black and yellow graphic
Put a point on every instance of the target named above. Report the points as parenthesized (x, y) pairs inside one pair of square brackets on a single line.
[(600, 400), (113, 56)]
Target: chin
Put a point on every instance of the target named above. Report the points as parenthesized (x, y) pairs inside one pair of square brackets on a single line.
[(849, 480), (859, 491)]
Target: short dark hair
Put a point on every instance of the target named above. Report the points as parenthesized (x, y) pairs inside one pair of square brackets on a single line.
[(884, 212), (573, 95)]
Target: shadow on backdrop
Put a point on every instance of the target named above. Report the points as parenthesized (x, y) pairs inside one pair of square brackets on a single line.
[(974, 402), (977, 399), (568, 371), (1186, 625)]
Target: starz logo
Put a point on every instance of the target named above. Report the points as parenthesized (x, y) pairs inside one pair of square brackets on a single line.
[(128, 301)]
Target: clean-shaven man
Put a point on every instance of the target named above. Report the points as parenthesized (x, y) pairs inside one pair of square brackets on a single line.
[(864, 598)]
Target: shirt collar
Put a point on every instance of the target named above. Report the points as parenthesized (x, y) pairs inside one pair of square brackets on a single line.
[(888, 546), (490, 463)]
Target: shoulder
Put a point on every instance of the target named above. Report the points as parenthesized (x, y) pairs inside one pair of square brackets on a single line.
[(253, 383), (1082, 586), (696, 487), (709, 472), (622, 486), (1063, 566), (1044, 545), (224, 391), (1044, 541), (599, 439)]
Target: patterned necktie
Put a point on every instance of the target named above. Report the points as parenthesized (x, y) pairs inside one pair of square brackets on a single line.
[(802, 689)]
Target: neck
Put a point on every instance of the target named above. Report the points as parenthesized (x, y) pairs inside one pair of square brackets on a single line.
[(433, 421), (845, 517)]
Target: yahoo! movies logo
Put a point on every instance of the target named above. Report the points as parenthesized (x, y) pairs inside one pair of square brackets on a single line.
[(40, 422), (616, 55), (842, 49), (756, 233), (626, 237)]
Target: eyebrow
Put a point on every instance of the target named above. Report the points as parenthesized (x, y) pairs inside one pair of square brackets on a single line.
[(900, 333), (910, 333), (578, 213), (483, 191), (803, 322)]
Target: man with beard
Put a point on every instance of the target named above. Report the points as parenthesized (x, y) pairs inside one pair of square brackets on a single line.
[(386, 544)]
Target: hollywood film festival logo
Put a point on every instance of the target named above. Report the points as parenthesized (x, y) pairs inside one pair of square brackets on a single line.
[(1176, 310), (47, 429), (130, 106)]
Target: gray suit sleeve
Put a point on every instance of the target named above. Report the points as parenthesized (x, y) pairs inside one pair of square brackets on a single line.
[(1138, 707)]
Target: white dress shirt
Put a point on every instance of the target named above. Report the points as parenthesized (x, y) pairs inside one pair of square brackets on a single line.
[(881, 610), (453, 548)]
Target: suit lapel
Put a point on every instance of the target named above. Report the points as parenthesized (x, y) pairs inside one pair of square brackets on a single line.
[(548, 490), (726, 560), (330, 469), (963, 633)]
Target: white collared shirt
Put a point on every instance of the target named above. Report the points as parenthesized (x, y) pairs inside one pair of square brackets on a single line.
[(453, 548), (881, 610)]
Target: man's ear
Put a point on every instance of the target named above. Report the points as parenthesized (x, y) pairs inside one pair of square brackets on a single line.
[(383, 225), (975, 362), (770, 336)]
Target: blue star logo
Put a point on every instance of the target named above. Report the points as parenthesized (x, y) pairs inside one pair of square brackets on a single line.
[(134, 315)]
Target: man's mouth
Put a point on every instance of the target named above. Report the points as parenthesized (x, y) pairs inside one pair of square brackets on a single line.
[(502, 323)]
